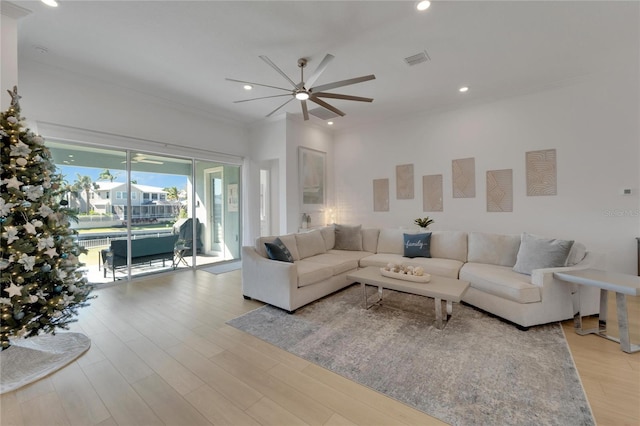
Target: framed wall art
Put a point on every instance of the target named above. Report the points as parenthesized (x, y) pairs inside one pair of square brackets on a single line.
[(381, 195), (541, 172), (500, 190), (464, 177), (313, 178), (432, 193), (404, 182)]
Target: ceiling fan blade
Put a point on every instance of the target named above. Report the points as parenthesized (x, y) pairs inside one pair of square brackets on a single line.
[(327, 106), (263, 97), (341, 83), (150, 161), (275, 67), (321, 67), (257, 84), (274, 111), (339, 96), (305, 112)]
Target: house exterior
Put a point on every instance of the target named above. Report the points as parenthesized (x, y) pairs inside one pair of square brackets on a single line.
[(148, 203)]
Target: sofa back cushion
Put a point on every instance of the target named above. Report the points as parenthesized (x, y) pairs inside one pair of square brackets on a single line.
[(348, 237), (370, 239), (449, 245), (310, 243), (329, 236), (493, 249), (288, 240), (392, 241)]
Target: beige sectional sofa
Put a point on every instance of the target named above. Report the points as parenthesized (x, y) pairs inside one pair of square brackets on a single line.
[(485, 260)]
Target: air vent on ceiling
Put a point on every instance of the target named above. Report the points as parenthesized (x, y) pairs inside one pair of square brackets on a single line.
[(417, 58), (322, 113)]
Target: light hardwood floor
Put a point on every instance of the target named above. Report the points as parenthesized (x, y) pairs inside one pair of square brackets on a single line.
[(162, 354)]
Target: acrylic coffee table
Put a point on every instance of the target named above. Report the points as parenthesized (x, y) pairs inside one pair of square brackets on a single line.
[(439, 288)]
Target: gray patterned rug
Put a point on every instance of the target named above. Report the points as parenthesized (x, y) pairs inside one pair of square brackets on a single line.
[(477, 371)]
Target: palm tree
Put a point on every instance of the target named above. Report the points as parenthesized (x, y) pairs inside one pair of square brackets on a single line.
[(86, 184), (173, 195), (107, 175)]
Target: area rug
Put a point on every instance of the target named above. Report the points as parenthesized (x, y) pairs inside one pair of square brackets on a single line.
[(28, 360), (478, 370)]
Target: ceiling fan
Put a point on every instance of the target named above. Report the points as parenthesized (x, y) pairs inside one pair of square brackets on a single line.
[(305, 90)]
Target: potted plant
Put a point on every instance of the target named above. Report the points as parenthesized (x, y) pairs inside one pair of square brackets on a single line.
[(423, 222)]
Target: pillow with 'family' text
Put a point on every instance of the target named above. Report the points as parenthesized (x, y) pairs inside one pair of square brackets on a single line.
[(417, 245)]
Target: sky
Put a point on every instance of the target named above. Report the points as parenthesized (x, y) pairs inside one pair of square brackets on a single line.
[(143, 178)]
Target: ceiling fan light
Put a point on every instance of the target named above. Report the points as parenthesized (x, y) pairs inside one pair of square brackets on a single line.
[(51, 3), (423, 5), (302, 95), (463, 89), (247, 87)]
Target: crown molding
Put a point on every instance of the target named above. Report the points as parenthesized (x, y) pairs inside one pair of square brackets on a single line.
[(13, 10)]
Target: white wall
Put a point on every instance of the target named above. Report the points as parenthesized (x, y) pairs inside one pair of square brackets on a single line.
[(593, 125), (308, 135), (56, 96)]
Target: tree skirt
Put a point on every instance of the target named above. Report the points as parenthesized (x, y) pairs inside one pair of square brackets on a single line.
[(28, 360), (477, 371)]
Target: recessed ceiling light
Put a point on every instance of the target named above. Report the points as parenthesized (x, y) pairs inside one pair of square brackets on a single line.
[(423, 5), (247, 87), (463, 89), (330, 123), (52, 3)]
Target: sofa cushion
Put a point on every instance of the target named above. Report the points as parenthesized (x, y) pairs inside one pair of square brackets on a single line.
[(500, 281), (338, 263), (348, 237), (370, 239), (350, 254), (329, 237), (449, 245), (495, 249), (443, 267), (278, 251), (310, 243), (436, 266), (417, 245), (288, 240), (391, 241), (538, 252), (312, 272)]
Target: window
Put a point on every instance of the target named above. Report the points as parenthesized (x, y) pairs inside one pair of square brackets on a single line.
[(154, 196), (145, 196), (106, 195), (134, 195), (163, 197), (121, 195)]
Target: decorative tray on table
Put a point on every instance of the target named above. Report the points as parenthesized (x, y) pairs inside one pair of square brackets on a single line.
[(400, 276)]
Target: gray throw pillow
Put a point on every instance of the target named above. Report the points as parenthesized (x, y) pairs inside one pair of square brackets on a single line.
[(537, 252), (348, 237)]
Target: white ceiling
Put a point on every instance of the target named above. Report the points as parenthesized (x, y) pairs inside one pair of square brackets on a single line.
[(183, 50)]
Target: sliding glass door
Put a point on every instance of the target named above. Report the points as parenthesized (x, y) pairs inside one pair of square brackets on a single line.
[(142, 213)]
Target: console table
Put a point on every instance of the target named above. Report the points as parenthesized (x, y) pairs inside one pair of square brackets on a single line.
[(621, 284)]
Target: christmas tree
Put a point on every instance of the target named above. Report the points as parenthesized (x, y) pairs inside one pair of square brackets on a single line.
[(42, 284)]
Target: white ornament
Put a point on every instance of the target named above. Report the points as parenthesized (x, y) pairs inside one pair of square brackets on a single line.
[(20, 149), (51, 252), (27, 262), (45, 211), (5, 208), (21, 161), (11, 234), (30, 228), (12, 183), (14, 290)]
